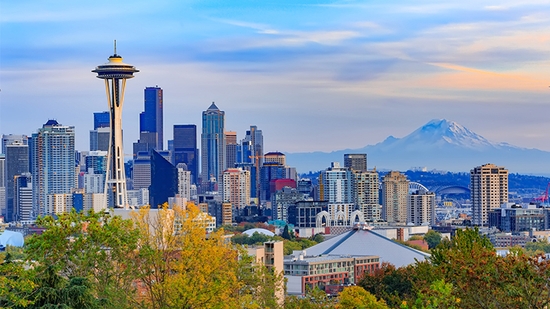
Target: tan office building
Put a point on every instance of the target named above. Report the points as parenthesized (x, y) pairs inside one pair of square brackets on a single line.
[(488, 190)]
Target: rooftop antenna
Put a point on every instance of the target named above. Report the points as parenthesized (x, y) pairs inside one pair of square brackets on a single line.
[(115, 47)]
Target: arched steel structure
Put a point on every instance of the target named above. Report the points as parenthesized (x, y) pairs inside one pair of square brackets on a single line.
[(416, 186)]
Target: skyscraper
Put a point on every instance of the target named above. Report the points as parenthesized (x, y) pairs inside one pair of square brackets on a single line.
[(99, 136), (488, 190), (164, 179), (356, 161), (366, 191), (421, 208), (17, 163), (236, 187), (151, 119), (53, 165), (102, 120), (212, 147), (230, 149), (335, 184), (395, 191), (185, 149), (22, 199), (115, 73), (2, 182), (11, 138)]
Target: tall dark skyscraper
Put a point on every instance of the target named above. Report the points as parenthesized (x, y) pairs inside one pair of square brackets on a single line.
[(17, 163), (151, 120), (185, 148), (101, 120), (212, 147), (164, 179)]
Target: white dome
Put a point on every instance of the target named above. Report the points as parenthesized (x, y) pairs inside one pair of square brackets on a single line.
[(10, 238), (261, 231)]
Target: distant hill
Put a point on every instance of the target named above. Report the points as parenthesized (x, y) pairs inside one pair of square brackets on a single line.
[(516, 182), (439, 144)]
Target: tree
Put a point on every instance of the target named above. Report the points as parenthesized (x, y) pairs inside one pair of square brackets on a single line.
[(438, 297), (314, 299), (355, 297), (96, 246), (286, 234), (390, 284), (433, 238), (182, 267), (15, 283)]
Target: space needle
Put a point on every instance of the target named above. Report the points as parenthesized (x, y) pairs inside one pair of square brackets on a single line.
[(115, 73)]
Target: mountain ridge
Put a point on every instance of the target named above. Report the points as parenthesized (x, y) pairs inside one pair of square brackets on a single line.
[(439, 144)]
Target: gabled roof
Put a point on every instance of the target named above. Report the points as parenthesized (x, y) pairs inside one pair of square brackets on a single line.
[(367, 242), (213, 107)]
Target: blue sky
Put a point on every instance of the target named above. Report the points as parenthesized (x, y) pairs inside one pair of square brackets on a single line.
[(313, 75)]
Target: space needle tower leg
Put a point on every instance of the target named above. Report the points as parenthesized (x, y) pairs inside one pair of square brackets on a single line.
[(115, 73)]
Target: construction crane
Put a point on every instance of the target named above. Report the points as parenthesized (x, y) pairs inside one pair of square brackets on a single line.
[(543, 200)]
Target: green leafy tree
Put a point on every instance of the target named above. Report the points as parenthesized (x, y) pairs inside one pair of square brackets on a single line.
[(54, 291), (16, 283), (539, 246), (433, 238), (390, 284), (286, 233), (96, 246), (314, 299)]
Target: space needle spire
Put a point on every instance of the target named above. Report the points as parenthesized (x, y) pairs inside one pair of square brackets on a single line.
[(115, 73)]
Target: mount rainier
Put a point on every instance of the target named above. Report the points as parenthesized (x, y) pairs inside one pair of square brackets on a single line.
[(439, 144)]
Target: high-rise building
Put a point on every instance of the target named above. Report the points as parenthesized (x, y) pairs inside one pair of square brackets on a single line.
[(270, 171), (336, 184), (115, 73), (282, 200), (12, 138), (102, 120), (230, 149), (141, 173), (356, 161), (251, 150), (53, 165), (2, 182), (151, 120), (421, 208), (17, 163), (97, 162), (185, 149), (164, 179), (22, 199), (236, 187), (99, 139), (395, 192), (488, 190), (366, 191), (184, 181), (212, 148)]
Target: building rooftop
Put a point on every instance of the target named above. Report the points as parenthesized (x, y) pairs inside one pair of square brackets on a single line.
[(367, 242)]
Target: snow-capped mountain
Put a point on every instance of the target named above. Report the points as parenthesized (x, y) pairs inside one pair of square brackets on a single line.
[(439, 144)]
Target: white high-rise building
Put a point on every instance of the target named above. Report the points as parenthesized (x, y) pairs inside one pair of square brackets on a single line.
[(335, 184), (236, 187), (184, 181), (421, 208), (53, 165)]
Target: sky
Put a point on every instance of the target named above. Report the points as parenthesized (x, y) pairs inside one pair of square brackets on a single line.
[(312, 75)]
